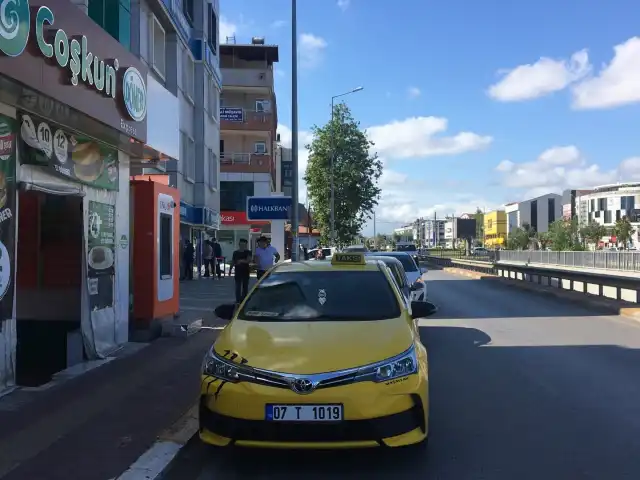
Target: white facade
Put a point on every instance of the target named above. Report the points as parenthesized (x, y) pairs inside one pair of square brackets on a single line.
[(406, 233), (537, 212), (434, 232), (609, 203)]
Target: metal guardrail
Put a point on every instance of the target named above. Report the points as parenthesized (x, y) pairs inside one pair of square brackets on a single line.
[(621, 261)]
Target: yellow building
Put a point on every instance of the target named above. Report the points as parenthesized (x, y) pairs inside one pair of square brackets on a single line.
[(495, 229)]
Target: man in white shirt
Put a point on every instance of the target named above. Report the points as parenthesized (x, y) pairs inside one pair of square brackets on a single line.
[(265, 255)]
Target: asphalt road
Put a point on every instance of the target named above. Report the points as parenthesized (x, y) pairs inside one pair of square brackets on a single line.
[(523, 386)]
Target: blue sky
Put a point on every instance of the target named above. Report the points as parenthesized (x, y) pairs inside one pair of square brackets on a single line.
[(470, 103)]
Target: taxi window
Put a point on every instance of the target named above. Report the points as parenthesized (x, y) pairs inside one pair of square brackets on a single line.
[(407, 262), (398, 275), (322, 296)]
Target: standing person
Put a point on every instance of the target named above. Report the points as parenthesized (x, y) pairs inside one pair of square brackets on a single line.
[(240, 261), (265, 254), (208, 258), (217, 258), (187, 257)]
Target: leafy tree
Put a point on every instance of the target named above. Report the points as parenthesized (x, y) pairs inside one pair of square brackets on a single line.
[(356, 175), (544, 239), (564, 235), (518, 239), (623, 230), (479, 216), (593, 232)]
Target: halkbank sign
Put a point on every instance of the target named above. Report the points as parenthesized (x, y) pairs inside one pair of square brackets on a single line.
[(70, 53)]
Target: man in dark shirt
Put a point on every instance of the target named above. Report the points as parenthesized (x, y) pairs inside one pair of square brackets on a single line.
[(240, 262), (217, 255)]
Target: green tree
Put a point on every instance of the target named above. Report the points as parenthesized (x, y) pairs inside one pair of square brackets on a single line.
[(544, 239), (479, 216), (356, 174), (623, 230), (518, 239), (593, 232), (563, 235)]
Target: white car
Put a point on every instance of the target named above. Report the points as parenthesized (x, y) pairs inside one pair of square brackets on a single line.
[(413, 272)]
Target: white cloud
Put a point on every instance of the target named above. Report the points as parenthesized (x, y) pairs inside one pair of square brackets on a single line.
[(414, 92), (544, 77), (278, 24), (311, 50), (419, 137), (558, 168), (227, 29), (618, 83), (344, 4)]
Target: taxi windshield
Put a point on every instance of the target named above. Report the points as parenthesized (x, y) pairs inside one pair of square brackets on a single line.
[(322, 296)]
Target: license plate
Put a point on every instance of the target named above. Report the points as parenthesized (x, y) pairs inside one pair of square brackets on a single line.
[(304, 413)]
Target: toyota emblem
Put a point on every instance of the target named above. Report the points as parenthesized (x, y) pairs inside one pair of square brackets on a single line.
[(302, 386)]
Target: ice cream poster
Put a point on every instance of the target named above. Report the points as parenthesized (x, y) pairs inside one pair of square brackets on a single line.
[(7, 214), (71, 155)]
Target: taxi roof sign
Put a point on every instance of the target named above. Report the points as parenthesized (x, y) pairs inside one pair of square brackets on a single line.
[(351, 258)]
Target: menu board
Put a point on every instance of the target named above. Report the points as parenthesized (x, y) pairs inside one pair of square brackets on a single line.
[(7, 214), (101, 254), (79, 158)]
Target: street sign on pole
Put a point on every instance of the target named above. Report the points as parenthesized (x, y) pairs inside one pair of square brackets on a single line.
[(268, 208)]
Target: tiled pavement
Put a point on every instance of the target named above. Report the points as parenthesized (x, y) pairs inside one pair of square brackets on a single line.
[(92, 427)]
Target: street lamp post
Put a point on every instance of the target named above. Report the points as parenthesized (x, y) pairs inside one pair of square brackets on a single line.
[(295, 248), (333, 154)]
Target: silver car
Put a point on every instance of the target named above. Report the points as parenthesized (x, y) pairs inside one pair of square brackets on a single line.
[(413, 272)]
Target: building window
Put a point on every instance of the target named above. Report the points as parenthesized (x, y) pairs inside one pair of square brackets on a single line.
[(188, 154), (627, 203), (262, 106), (116, 21), (618, 215), (534, 215), (187, 9), (261, 148), (213, 170), (602, 204), (157, 46), (233, 195), (213, 28), (593, 204), (214, 110), (551, 214), (607, 216), (188, 75)]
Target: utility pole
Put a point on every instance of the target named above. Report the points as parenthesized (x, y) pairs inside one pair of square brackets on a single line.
[(295, 230)]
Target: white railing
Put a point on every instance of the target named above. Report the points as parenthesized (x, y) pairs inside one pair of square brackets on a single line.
[(235, 158), (623, 260)]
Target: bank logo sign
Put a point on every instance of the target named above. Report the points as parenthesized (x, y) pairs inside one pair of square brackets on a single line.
[(73, 54)]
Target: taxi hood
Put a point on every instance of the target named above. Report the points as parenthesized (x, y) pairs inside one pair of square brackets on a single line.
[(308, 347)]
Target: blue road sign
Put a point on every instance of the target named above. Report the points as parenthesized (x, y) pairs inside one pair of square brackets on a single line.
[(268, 208)]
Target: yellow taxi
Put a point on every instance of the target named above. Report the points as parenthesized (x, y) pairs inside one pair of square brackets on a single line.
[(319, 355)]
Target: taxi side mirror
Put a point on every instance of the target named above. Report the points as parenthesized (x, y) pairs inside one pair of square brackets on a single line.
[(423, 309), (225, 311)]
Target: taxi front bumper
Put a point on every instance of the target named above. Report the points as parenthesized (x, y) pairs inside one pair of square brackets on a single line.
[(375, 414)]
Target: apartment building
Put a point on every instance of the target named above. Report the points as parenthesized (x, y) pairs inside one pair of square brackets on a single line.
[(178, 40), (495, 229), (537, 212), (248, 142), (607, 204)]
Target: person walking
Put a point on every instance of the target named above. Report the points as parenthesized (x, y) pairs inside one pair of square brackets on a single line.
[(240, 264), (265, 255), (217, 259), (208, 258), (187, 257)]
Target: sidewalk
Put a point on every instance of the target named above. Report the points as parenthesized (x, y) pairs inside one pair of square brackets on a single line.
[(94, 426)]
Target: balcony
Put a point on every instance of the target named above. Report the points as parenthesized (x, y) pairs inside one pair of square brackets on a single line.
[(245, 163), (242, 119), (259, 78)]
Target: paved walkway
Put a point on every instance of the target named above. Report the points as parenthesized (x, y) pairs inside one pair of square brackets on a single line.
[(94, 426)]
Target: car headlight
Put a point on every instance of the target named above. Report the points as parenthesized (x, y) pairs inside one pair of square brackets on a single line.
[(223, 369), (399, 366)]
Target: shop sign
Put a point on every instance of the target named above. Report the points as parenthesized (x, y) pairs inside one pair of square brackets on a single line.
[(232, 114), (101, 258), (76, 157), (8, 127), (71, 53), (237, 218)]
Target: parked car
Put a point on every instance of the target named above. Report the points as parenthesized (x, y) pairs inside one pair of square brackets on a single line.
[(397, 272), (413, 272)]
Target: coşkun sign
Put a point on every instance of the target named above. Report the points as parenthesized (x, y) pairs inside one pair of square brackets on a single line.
[(74, 54)]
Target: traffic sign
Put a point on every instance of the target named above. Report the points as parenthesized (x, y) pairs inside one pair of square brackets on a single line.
[(268, 208)]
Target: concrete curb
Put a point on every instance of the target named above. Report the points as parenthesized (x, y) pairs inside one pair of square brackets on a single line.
[(575, 297), (155, 462)]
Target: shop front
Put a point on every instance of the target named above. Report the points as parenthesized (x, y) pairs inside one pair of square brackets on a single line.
[(197, 224), (235, 226), (72, 119)]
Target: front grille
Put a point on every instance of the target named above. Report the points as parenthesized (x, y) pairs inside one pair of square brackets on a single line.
[(345, 431)]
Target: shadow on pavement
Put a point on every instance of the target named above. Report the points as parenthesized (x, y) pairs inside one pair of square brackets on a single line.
[(496, 413), (488, 298)]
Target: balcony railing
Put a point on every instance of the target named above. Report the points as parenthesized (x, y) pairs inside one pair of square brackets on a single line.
[(245, 162), (237, 118)]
